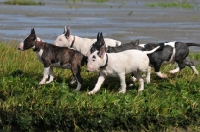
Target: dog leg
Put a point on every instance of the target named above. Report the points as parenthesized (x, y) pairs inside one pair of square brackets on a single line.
[(141, 81), (175, 70), (122, 89), (73, 81), (76, 70), (157, 70), (191, 65), (161, 75), (98, 84), (51, 75), (133, 79), (78, 86), (194, 69), (148, 75), (45, 75), (141, 87)]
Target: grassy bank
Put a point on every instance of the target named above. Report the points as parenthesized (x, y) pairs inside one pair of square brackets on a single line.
[(22, 2), (184, 5), (165, 104)]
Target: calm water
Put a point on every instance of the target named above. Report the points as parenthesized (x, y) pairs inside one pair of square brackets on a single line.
[(124, 20)]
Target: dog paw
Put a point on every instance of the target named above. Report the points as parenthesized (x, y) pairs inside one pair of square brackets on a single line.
[(175, 70), (134, 79), (41, 83), (48, 81), (122, 91), (196, 73), (73, 81), (91, 93), (130, 85), (140, 89)]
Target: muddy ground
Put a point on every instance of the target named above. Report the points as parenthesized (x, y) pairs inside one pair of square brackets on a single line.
[(124, 20)]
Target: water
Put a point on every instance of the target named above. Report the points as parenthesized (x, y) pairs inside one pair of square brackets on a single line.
[(124, 20)]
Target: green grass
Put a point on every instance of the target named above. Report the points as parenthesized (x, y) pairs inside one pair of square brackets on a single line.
[(171, 5), (23, 2), (97, 1), (165, 104)]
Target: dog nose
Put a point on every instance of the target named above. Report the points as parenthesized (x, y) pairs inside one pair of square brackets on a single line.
[(88, 71)]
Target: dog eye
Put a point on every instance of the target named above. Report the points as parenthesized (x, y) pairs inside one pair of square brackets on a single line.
[(93, 60)]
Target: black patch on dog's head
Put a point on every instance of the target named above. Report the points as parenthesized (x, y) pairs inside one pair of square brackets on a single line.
[(29, 42), (98, 44)]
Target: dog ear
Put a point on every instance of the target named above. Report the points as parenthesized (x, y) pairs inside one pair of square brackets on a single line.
[(67, 34), (136, 42), (102, 51), (33, 35), (65, 30), (32, 31), (98, 36), (102, 39)]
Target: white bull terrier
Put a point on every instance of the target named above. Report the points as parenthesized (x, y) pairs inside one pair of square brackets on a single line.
[(81, 44), (118, 65)]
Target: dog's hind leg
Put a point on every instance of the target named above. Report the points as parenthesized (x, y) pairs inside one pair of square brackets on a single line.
[(148, 75), (76, 70), (51, 75), (73, 81), (45, 75), (122, 88), (141, 80), (191, 65)]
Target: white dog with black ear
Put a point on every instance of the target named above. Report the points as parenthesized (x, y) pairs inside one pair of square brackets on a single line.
[(118, 65), (81, 44)]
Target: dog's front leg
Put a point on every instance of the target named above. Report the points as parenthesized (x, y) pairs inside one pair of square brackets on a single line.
[(122, 89), (98, 84), (51, 75), (45, 75)]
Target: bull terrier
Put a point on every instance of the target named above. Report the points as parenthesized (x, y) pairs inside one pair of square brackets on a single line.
[(81, 44), (53, 56), (171, 52), (131, 61)]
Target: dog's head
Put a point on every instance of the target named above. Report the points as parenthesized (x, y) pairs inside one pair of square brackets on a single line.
[(97, 59), (97, 45), (31, 41), (65, 39)]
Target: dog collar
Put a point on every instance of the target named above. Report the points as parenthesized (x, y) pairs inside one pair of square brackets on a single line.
[(72, 43), (39, 42), (106, 62)]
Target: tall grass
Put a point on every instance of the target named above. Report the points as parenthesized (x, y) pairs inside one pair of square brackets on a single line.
[(23, 2), (97, 1), (184, 5), (165, 104)]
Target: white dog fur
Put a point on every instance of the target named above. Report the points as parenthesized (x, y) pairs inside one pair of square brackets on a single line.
[(81, 44), (118, 65)]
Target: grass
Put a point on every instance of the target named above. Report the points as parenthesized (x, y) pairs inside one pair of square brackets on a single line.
[(184, 5), (165, 104), (23, 2), (97, 1)]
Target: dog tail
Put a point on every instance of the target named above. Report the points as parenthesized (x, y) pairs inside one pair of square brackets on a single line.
[(192, 44), (153, 50)]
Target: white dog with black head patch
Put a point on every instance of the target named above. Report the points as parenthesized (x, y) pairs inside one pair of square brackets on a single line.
[(118, 65)]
